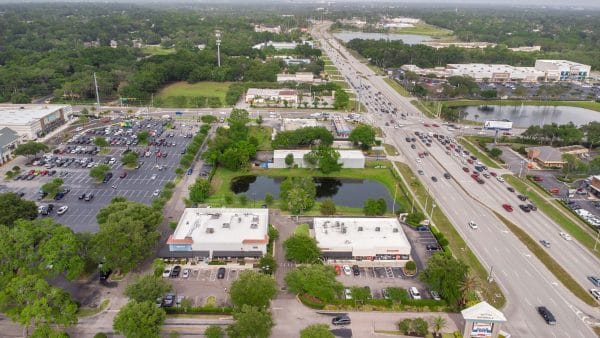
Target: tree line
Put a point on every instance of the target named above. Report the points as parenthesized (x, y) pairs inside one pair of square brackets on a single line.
[(563, 134)]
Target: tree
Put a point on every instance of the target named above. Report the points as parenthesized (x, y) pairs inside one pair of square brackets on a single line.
[(437, 323), (573, 165), (238, 118), (445, 274), (410, 266), (289, 160), (199, 191), (147, 288), (142, 137), (251, 321), (466, 286), (130, 158), (375, 207), (360, 294), (139, 320), (30, 148), (228, 198), (489, 93), (128, 232), (267, 264), (316, 280), (158, 266), (98, 173), (592, 133), (14, 207), (45, 331), (214, 331), (301, 249), (594, 167), (208, 119), (268, 199), (363, 135), (495, 152), (243, 199), (100, 141), (316, 331), (420, 327), (328, 207), (253, 288), (53, 187), (297, 194), (328, 159), (415, 218), (234, 158)]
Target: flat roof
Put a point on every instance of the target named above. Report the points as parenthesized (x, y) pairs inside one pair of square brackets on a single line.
[(565, 63), (299, 153), (202, 227), (361, 234), (24, 114)]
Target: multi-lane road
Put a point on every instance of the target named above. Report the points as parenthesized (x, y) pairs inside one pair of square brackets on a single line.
[(524, 279)]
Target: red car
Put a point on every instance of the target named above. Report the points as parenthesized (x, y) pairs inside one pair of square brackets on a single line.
[(493, 173), (470, 161), (538, 178), (427, 125), (475, 177), (434, 125), (338, 270), (465, 169), (507, 207)]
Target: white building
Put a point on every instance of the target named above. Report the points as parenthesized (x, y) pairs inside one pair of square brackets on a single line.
[(267, 29), (262, 95), (362, 239), (114, 44), (282, 45), (9, 140), (348, 158), (305, 77), (483, 320), (31, 121), (562, 70), (220, 233)]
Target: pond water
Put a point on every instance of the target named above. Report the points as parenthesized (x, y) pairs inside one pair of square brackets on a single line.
[(408, 39), (525, 116), (343, 191)]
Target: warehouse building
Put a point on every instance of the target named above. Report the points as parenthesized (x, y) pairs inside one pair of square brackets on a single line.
[(348, 158), (304, 77), (33, 121), (220, 233), (263, 95), (362, 240)]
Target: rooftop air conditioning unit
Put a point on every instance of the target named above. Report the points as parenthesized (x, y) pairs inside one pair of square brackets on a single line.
[(210, 230), (225, 225), (360, 228), (395, 230), (378, 229), (254, 226)]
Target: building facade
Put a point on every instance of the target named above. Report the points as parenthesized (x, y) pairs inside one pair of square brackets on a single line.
[(9, 140), (261, 95), (362, 240), (32, 121), (304, 77), (216, 233), (563, 70), (348, 158)]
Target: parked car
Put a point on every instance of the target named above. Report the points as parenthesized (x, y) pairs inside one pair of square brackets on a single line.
[(356, 270), (347, 270), (538, 178), (511, 189), (547, 315), (104, 275), (347, 293), (595, 293), (123, 174), (169, 300), (166, 272), (185, 273), (435, 295), (341, 320), (62, 210), (176, 271), (221, 273), (338, 270), (414, 293)]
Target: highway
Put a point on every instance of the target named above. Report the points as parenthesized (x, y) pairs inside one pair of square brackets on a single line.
[(524, 279)]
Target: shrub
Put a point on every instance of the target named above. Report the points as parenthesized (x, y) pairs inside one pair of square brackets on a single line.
[(311, 302), (199, 309), (410, 265)]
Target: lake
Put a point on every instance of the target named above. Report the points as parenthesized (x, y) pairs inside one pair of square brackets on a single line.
[(525, 116), (343, 191), (408, 39)]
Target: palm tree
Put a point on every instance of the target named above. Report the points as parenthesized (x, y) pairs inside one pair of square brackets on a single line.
[(468, 284), (437, 324)]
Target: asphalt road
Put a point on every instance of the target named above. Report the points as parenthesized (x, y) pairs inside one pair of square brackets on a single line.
[(524, 279)]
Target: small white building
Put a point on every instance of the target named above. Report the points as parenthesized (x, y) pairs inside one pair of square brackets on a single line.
[(267, 29), (31, 121), (305, 77), (482, 320), (362, 239), (114, 44), (348, 158), (262, 95), (220, 233)]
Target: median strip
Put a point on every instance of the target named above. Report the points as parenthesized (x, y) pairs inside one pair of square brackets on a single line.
[(483, 157)]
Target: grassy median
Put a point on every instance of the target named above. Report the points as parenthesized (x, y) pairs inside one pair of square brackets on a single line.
[(397, 87), (554, 210), (483, 157), (489, 291)]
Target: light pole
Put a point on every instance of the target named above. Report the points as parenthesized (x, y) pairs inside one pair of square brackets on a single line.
[(432, 206), (218, 36)]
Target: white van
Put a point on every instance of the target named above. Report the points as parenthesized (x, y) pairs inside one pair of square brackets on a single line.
[(414, 293)]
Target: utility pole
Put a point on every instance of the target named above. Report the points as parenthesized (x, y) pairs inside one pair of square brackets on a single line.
[(96, 85), (218, 36)]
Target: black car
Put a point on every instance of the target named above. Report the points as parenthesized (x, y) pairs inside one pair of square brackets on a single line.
[(59, 196), (169, 300), (107, 177), (511, 189), (433, 178), (176, 271), (547, 315), (341, 320), (532, 207), (522, 198), (433, 247), (221, 273), (412, 146), (447, 176), (421, 228), (104, 275), (82, 196), (356, 270), (524, 207)]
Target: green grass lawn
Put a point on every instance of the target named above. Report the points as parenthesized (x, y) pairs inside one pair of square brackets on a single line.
[(190, 90), (489, 291), (483, 157), (158, 50), (581, 104), (425, 29), (263, 135), (424, 109), (302, 229), (397, 87), (390, 149), (87, 311)]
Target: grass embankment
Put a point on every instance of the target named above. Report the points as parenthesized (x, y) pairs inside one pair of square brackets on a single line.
[(302, 229), (482, 156), (489, 291), (425, 29), (581, 104), (426, 111), (221, 182), (563, 276), (390, 149), (554, 210), (87, 311), (206, 89), (157, 50), (397, 87)]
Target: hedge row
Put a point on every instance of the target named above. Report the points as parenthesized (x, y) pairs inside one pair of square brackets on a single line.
[(199, 309)]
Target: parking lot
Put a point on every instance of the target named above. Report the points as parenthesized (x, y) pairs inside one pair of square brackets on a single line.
[(73, 160)]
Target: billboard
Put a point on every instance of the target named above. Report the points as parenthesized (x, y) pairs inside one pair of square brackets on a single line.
[(498, 124)]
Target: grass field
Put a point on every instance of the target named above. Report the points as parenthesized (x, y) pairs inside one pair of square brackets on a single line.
[(263, 135), (397, 87), (423, 108), (425, 29), (158, 50), (581, 104), (302, 229), (190, 90), (490, 291), (483, 157)]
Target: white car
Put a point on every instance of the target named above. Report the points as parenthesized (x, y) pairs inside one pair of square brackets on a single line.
[(500, 179), (153, 177), (167, 273), (565, 235), (112, 161), (347, 270), (156, 192), (595, 293), (418, 160), (473, 225), (347, 293), (185, 273), (62, 209)]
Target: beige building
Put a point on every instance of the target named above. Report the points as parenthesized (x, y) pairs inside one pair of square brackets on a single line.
[(263, 95), (546, 156), (304, 77), (31, 121), (482, 321)]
